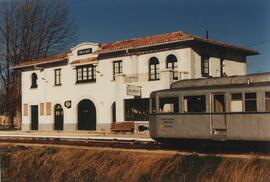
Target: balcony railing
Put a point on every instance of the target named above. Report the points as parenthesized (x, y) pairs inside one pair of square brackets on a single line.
[(144, 77), (130, 78)]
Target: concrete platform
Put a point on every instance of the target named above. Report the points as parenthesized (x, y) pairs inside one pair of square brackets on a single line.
[(78, 135)]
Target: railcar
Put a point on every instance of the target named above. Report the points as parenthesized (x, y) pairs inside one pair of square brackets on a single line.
[(228, 108)]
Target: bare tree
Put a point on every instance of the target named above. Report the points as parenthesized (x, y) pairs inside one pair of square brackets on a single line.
[(30, 29)]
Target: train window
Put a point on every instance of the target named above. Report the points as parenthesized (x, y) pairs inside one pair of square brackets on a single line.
[(267, 101), (195, 103), (218, 103), (236, 102), (169, 104), (153, 103), (250, 102)]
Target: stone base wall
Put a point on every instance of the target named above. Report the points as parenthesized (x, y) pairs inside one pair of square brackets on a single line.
[(67, 127)]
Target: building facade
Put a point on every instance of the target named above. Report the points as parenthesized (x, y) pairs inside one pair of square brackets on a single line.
[(94, 85)]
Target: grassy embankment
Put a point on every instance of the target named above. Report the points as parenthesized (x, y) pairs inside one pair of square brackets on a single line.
[(67, 164)]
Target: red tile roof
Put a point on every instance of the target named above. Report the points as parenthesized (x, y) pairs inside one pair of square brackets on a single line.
[(135, 43), (146, 41), (81, 61), (165, 38), (54, 58)]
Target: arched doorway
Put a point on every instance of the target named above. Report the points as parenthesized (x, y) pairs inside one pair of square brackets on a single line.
[(86, 115), (58, 117)]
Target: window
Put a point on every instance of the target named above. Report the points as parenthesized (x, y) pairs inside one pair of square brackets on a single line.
[(153, 69), (250, 102), (86, 73), (170, 104), (171, 62), (218, 103), (117, 68), (57, 77), (34, 80), (267, 101), (136, 109), (195, 103), (41, 109), (153, 104), (205, 65), (236, 102)]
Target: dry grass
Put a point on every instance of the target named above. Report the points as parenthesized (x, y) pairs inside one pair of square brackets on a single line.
[(55, 164)]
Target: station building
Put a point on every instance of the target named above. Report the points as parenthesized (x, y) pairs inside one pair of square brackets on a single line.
[(94, 85)]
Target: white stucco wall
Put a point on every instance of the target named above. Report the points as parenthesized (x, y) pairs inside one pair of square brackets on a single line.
[(105, 90)]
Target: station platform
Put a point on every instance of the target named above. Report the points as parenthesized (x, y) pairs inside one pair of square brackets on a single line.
[(76, 135)]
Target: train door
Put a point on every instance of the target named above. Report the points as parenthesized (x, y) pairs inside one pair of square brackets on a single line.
[(218, 115)]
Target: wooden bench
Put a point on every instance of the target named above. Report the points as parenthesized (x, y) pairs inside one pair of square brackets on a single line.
[(123, 127)]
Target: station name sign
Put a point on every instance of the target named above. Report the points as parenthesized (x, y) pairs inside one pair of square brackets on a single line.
[(84, 51), (134, 90)]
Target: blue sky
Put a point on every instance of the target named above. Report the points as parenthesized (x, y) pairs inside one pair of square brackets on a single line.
[(241, 22)]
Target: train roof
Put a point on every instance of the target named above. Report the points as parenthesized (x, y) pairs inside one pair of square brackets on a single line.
[(223, 81)]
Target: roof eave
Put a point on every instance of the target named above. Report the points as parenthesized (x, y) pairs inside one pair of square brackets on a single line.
[(37, 64), (136, 47)]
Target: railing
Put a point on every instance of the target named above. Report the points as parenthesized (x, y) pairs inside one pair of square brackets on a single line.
[(144, 77)]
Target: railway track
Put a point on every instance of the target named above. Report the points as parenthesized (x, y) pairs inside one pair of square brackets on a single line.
[(198, 147)]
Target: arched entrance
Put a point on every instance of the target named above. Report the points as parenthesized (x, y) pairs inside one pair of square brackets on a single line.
[(58, 117), (86, 115)]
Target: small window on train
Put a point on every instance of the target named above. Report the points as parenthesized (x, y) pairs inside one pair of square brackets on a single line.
[(236, 102), (169, 104), (267, 101), (195, 103), (250, 102), (153, 105)]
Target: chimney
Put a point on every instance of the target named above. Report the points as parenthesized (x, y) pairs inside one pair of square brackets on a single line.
[(206, 34)]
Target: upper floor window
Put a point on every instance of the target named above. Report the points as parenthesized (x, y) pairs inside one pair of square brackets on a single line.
[(171, 62), (57, 77), (154, 69), (34, 80), (205, 65), (86, 73), (117, 68)]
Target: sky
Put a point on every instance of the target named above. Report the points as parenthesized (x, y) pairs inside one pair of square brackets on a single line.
[(240, 22)]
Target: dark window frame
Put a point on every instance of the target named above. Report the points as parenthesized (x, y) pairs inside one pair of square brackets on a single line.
[(174, 100), (205, 65), (248, 99), (86, 73), (137, 109), (57, 77), (154, 70), (117, 68), (172, 59), (195, 103), (34, 78)]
